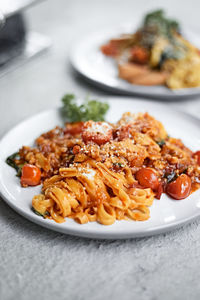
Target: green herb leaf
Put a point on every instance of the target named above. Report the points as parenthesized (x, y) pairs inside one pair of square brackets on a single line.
[(161, 143), (39, 214), (11, 162), (120, 165), (185, 171), (171, 177), (89, 110), (160, 23)]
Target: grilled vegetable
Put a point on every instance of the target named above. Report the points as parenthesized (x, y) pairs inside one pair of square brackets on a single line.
[(160, 24)]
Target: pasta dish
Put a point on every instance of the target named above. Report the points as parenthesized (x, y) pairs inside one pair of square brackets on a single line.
[(156, 54), (101, 171)]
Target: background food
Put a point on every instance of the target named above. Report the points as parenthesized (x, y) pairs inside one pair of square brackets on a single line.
[(156, 54)]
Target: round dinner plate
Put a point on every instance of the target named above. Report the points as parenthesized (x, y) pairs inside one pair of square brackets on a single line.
[(166, 213), (87, 60)]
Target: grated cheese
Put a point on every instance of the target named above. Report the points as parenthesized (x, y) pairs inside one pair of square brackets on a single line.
[(90, 173), (102, 128)]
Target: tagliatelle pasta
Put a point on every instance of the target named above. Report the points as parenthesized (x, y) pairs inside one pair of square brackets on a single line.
[(103, 172), (83, 194)]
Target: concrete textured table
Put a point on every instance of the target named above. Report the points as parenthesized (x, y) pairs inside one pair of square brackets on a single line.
[(36, 263)]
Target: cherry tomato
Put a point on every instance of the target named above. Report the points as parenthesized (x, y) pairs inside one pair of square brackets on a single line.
[(159, 191), (139, 55), (179, 188), (198, 156), (31, 175), (110, 49), (147, 178), (97, 132), (73, 128)]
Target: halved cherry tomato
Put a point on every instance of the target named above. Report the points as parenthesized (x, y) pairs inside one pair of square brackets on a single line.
[(73, 128), (97, 132), (179, 188), (147, 178), (110, 49), (139, 55), (31, 175), (198, 156), (159, 191)]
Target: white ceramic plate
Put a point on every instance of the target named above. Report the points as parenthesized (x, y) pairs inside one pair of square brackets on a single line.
[(87, 60), (166, 213)]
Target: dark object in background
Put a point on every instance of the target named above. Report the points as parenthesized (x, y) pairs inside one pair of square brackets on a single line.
[(12, 37), (18, 44)]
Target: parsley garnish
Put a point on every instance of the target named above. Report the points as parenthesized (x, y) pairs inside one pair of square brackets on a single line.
[(89, 110)]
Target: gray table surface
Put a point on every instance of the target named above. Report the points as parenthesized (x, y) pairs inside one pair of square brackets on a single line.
[(36, 263)]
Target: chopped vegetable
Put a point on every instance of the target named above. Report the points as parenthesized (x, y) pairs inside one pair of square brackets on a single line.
[(170, 177), (11, 161), (161, 143), (157, 29), (120, 165), (39, 214), (89, 110), (172, 51)]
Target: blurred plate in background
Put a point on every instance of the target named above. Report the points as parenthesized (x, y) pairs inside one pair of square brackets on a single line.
[(87, 60), (17, 43)]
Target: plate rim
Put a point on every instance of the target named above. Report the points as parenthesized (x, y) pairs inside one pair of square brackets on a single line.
[(90, 233)]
